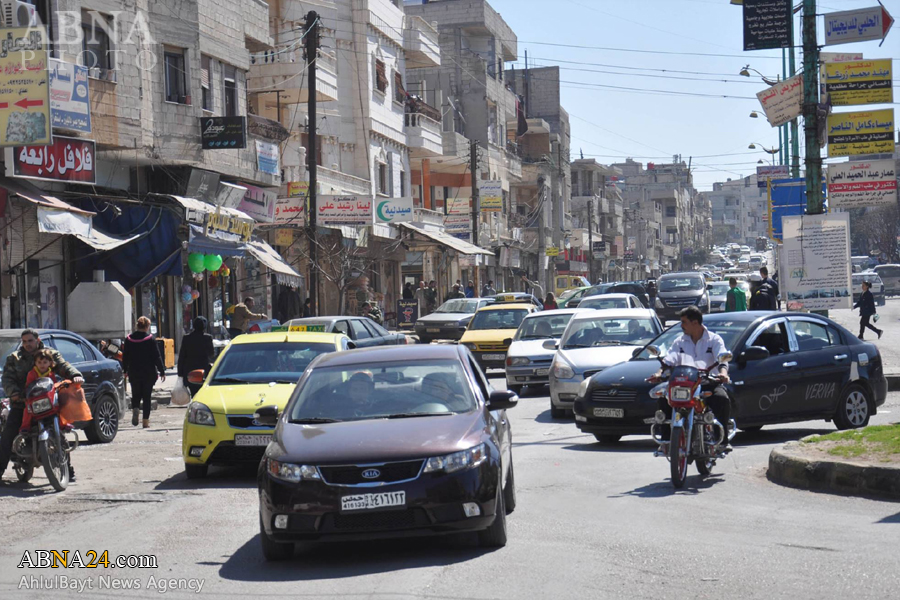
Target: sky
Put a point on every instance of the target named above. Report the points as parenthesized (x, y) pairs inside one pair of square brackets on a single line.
[(713, 131)]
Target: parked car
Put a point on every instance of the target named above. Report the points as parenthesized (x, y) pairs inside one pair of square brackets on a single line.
[(491, 330), (569, 282), (875, 281), (718, 291), (362, 331), (104, 381), (619, 287), (388, 442), (450, 320), (607, 301), (527, 361), (593, 341), (219, 425), (570, 295), (890, 276), (678, 290), (787, 367)]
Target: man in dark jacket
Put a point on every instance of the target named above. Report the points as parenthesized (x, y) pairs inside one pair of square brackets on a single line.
[(866, 306), (15, 373), (763, 297), (141, 362), (197, 352), (773, 285)]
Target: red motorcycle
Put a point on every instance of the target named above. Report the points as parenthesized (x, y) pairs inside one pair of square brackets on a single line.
[(45, 441), (695, 432)]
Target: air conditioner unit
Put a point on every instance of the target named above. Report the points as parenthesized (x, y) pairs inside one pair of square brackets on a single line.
[(17, 13)]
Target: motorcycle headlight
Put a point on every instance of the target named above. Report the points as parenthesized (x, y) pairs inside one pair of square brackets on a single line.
[(464, 459), (583, 388), (518, 361), (659, 303), (681, 393), (292, 472), (199, 414), (41, 406), (562, 369)]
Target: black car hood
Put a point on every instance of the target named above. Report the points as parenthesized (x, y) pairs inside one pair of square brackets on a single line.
[(632, 374)]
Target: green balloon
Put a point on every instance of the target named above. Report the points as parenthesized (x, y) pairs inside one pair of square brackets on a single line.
[(212, 262), (196, 262)]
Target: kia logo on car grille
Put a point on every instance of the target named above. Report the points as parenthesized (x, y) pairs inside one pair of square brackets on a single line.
[(371, 474)]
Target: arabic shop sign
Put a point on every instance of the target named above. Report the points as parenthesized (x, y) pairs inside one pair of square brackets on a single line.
[(764, 174), (862, 183), (67, 159), (491, 195), (24, 87), (203, 185), (767, 24), (343, 210), (70, 105), (783, 102), (394, 210), (850, 26), (220, 221), (867, 132), (223, 133), (267, 157), (258, 203), (458, 224), (859, 82)]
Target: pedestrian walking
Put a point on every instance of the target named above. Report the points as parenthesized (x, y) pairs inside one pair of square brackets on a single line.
[(488, 289), (408, 293), (307, 312), (141, 362), (421, 297), (197, 352), (764, 273), (470, 289), (241, 317), (431, 296), (455, 293), (550, 302), (866, 306), (736, 298)]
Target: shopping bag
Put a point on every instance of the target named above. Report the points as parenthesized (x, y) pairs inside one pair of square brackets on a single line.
[(180, 394), (875, 318), (73, 405)]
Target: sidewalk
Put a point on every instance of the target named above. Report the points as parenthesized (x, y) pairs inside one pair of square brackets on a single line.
[(162, 391), (888, 345)]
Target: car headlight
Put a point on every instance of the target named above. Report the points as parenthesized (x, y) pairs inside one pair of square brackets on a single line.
[(658, 303), (464, 459), (562, 369), (517, 361), (292, 472), (199, 414), (470, 346), (583, 388)]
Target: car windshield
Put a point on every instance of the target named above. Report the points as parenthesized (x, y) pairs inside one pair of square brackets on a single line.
[(567, 294), (609, 331), (598, 289), (680, 284), (280, 362), (8, 346), (600, 302), (458, 305), (886, 271), (543, 327), (504, 318), (719, 289), (729, 330), (382, 391)]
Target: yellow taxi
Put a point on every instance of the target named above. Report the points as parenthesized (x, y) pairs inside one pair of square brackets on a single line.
[(254, 370), (490, 332)]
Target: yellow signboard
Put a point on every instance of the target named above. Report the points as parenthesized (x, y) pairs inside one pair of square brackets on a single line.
[(491, 194), (859, 82), (298, 189), (284, 237), (308, 328), (553, 251), (506, 298), (24, 87), (866, 132)]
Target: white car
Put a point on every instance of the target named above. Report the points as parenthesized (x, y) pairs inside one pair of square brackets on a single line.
[(608, 301), (877, 286), (593, 341), (527, 361)]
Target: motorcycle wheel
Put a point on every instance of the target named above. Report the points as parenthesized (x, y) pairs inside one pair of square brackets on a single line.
[(55, 461), (24, 473), (678, 456)]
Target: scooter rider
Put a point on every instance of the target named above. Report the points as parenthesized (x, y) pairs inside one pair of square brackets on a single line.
[(699, 347)]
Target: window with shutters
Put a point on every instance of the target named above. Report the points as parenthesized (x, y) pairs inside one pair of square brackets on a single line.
[(382, 179), (229, 77), (176, 82), (399, 91), (205, 76), (96, 49), (381, 81)]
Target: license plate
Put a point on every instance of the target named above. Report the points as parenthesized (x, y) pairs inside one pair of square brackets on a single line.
[(613, 413), (432, 330), (252, 440), (371, 501), (494, 357), (542, 371)]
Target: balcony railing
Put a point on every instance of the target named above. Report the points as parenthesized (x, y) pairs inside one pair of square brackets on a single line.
[(421, 42), (423, 135), (337, 182), (280, 69)]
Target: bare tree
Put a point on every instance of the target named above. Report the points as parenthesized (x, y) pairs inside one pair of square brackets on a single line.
[(880, 226)]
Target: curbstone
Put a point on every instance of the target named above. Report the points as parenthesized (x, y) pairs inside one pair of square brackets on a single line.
[(791, 467), (893, 381)]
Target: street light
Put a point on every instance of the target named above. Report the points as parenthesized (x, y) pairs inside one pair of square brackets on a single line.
[(745, 72), (764, 149), (754, 115)]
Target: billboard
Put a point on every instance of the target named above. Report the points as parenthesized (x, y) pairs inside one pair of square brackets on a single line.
[(491, 195), (786, 198), (767, 24), (859, 82), (783, 102), (70, 105), (864, 132), (66, 159), (343, 210), (815, 262), (24, 88), (862, 183)]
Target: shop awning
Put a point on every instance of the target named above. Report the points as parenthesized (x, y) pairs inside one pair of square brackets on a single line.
[(64, 222), (204, 208), (461, 246), (35, 195), (266, 254), (205, 244)]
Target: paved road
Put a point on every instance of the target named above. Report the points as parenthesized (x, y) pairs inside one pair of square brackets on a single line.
[(592, 522)]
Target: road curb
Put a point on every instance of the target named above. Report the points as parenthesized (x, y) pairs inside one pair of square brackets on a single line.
[(791, 467), (893, 381)]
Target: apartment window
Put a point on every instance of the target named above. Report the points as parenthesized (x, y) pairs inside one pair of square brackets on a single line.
[(176, 82), (205, 72), (671, 211), (96, 50), (382, 179), (399, 91), (381, 81), (229, 96), (574, 179)]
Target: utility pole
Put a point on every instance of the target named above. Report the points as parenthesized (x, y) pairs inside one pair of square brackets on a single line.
[(795, 129), (591, 239), (476, 202), (542, 246), (312, 48), (811, 109)]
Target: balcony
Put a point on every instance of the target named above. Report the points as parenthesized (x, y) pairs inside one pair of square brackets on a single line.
[(338, 183), (421, 43), (282, 70), (513, 165), (670, 221), (431, 217), (455, 144), (423, 135)]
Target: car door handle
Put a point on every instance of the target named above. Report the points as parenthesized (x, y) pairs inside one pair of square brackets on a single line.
[(789, 365), (840, 357)]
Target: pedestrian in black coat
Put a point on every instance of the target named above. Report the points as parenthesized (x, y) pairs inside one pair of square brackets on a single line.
[(197, 352), (141, 362), (866, 306)]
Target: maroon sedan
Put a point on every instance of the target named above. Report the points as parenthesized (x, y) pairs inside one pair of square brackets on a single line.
[(387, 442)]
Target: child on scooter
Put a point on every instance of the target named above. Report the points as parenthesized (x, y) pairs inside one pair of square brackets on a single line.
[(43, 367)]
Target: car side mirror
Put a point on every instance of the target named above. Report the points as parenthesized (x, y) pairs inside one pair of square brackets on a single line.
[(196, 376), (503, 400), (507, 341), (709, 286), (636, 352), (267, 415), (550, 345), (753, 353)]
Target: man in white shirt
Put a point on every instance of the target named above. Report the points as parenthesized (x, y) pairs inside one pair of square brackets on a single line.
[(699, 347)]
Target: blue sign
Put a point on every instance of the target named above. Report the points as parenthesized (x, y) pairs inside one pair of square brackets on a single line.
[(70, 104), (788, 199)]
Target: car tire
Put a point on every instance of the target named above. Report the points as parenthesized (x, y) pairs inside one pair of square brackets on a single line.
[(557, 413), (105, 424), (195, 471), (607, 438), (495, 535), (517, 389), (854, 409), (272, 550), (509, 492)]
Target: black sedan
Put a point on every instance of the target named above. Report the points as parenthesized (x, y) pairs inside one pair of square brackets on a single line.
[(621, 287), (387, 442), (363, 331), (104, 381), (787, 367)]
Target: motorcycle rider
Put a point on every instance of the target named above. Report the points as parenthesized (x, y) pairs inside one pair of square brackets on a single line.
[(15, 374), (699, 347)]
